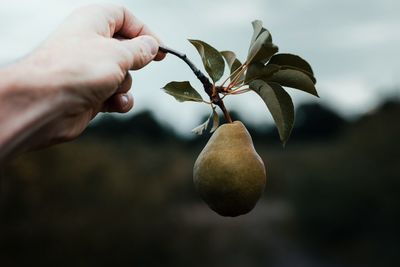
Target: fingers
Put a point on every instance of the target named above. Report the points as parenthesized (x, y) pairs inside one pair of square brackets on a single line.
[(129, 26), (160, 55), (126, 84), (109, 21), (132, 27), (121, 101), (143, 49)]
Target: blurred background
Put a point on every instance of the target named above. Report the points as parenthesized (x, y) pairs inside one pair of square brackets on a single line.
[(122, 193)]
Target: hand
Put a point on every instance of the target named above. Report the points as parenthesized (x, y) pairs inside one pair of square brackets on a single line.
[(83, 69), (89, 58)]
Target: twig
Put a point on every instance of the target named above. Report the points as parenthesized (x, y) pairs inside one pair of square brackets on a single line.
[(208, 86), (204, 80)]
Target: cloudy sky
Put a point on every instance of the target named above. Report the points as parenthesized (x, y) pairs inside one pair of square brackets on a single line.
[(352, 46)]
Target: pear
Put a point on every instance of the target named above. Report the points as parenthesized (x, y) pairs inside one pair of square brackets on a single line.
[(229, 174)]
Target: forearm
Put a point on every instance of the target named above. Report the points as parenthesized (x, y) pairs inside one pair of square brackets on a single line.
[(25, 108)]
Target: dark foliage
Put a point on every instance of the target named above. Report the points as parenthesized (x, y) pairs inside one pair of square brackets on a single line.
[(122, 195)]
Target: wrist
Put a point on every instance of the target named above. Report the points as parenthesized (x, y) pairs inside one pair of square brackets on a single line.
[(26, 106)]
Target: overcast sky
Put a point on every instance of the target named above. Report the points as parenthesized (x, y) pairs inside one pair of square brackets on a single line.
[(353, 47)]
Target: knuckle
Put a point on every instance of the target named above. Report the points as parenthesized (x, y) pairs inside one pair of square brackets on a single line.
[(123, 52), (141, 58)]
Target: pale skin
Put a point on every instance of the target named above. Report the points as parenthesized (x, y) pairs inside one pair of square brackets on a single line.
[(51, 95)]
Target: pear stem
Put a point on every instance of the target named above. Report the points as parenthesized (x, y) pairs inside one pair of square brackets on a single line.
[(209, 88), (224, 110)]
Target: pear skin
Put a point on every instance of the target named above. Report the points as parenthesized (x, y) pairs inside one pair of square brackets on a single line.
[(229, 174)]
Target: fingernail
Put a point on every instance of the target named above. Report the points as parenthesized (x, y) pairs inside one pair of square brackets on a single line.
[(152, 44), (124, 100)]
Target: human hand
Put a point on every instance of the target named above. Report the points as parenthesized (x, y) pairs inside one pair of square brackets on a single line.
[(83, 69)]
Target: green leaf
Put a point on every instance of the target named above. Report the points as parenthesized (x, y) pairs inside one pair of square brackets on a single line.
[(294, 62), (182, 91), (279, 104), (212, 122), (257, 30), (233, 62), (199, 130), (295, 79), (260, 71), (261, 46), (262, 50), (212, 59)]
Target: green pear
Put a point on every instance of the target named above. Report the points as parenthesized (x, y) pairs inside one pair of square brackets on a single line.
[(229, 174)]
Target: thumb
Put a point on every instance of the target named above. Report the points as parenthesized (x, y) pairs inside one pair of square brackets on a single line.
[(143, 49)]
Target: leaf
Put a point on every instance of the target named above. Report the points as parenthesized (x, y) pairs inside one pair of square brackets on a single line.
[(213, 124), (295, 79), (262, 50), (182, 91), (279, 104), (260, 71), (294, 62), (261, 46), (199, 130), (212, 59), (233, 63), (257, 30)]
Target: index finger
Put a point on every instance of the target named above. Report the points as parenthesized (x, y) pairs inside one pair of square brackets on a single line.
[(129, 26)]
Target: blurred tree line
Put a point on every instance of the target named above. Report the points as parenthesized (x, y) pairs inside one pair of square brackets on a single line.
[(122, 195)]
